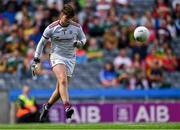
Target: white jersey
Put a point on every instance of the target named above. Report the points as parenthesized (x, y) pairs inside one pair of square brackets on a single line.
[(62, 39)]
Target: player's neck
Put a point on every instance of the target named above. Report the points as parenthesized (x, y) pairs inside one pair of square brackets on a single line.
[(63, 25)]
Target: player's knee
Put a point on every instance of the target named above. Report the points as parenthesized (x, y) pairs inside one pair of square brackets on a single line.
[(60, 77), (63, 81)]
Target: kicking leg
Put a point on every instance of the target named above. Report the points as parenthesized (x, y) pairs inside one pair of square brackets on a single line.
[(61, 75)]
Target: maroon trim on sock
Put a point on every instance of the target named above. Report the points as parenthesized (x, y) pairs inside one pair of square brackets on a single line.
[(67, 105)]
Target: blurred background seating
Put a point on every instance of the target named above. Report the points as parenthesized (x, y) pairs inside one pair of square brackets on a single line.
[(109, 26)]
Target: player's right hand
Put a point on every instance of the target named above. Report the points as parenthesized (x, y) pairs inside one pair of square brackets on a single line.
[(34, 66), (78, 44)]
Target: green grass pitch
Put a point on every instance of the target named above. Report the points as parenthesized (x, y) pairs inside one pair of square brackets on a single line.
[(103, 126)]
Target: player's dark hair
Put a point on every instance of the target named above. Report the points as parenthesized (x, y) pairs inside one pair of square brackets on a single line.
[(68, 11)]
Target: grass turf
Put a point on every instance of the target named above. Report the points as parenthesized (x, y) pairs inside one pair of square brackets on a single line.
[(104, 126)]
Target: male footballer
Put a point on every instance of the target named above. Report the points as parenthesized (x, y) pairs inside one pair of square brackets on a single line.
[(65, 36)]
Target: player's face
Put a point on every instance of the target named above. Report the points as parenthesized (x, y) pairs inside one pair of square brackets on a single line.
[(64, 20)]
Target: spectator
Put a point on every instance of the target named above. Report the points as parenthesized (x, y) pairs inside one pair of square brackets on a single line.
[(102, 8), (163, 33), (122, 6), (171, 26), (122, 59), (169, 61), (27, 110), (13, 61), (148, 18), (155, 75), (140, 48), (151, 57), (125, 20), (24, 70), (123, 40), (109, 54), (122, 65), (108, 76), (175, 3), (111, 17), (38, 17), (21, 14), (138, 78), (46, 20), (110, 37), (154, 46), (152, 31), (162, 9), (84, 14), (96, 28), (134, 19), (137, 62), (94, 53), (28, 4), (27, 27), (36, 35), (10, 13), (124, 75)]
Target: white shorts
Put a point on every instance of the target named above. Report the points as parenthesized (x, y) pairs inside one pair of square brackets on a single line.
[(69, 63)]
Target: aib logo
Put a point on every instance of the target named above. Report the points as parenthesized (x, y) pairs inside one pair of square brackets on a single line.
[(122, 113)]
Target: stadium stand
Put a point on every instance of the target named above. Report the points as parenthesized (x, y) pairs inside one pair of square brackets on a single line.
[(23, 22)]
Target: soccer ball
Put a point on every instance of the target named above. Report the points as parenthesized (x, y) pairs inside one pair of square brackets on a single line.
[(141, 34)]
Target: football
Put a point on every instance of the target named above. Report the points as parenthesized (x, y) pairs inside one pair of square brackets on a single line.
[(141, 34)]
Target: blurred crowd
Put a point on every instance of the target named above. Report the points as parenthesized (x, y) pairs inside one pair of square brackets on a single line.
[(109, 26)]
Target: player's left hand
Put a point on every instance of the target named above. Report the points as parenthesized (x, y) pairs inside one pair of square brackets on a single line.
[(78, 44)]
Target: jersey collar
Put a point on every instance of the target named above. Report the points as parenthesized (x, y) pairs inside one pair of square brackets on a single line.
[(62, 25)]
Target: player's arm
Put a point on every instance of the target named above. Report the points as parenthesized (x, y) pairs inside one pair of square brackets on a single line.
[(39, 49), (81, 39)]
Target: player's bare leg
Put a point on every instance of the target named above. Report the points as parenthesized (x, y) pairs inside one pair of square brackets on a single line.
[(61, 75), (54, 97)]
